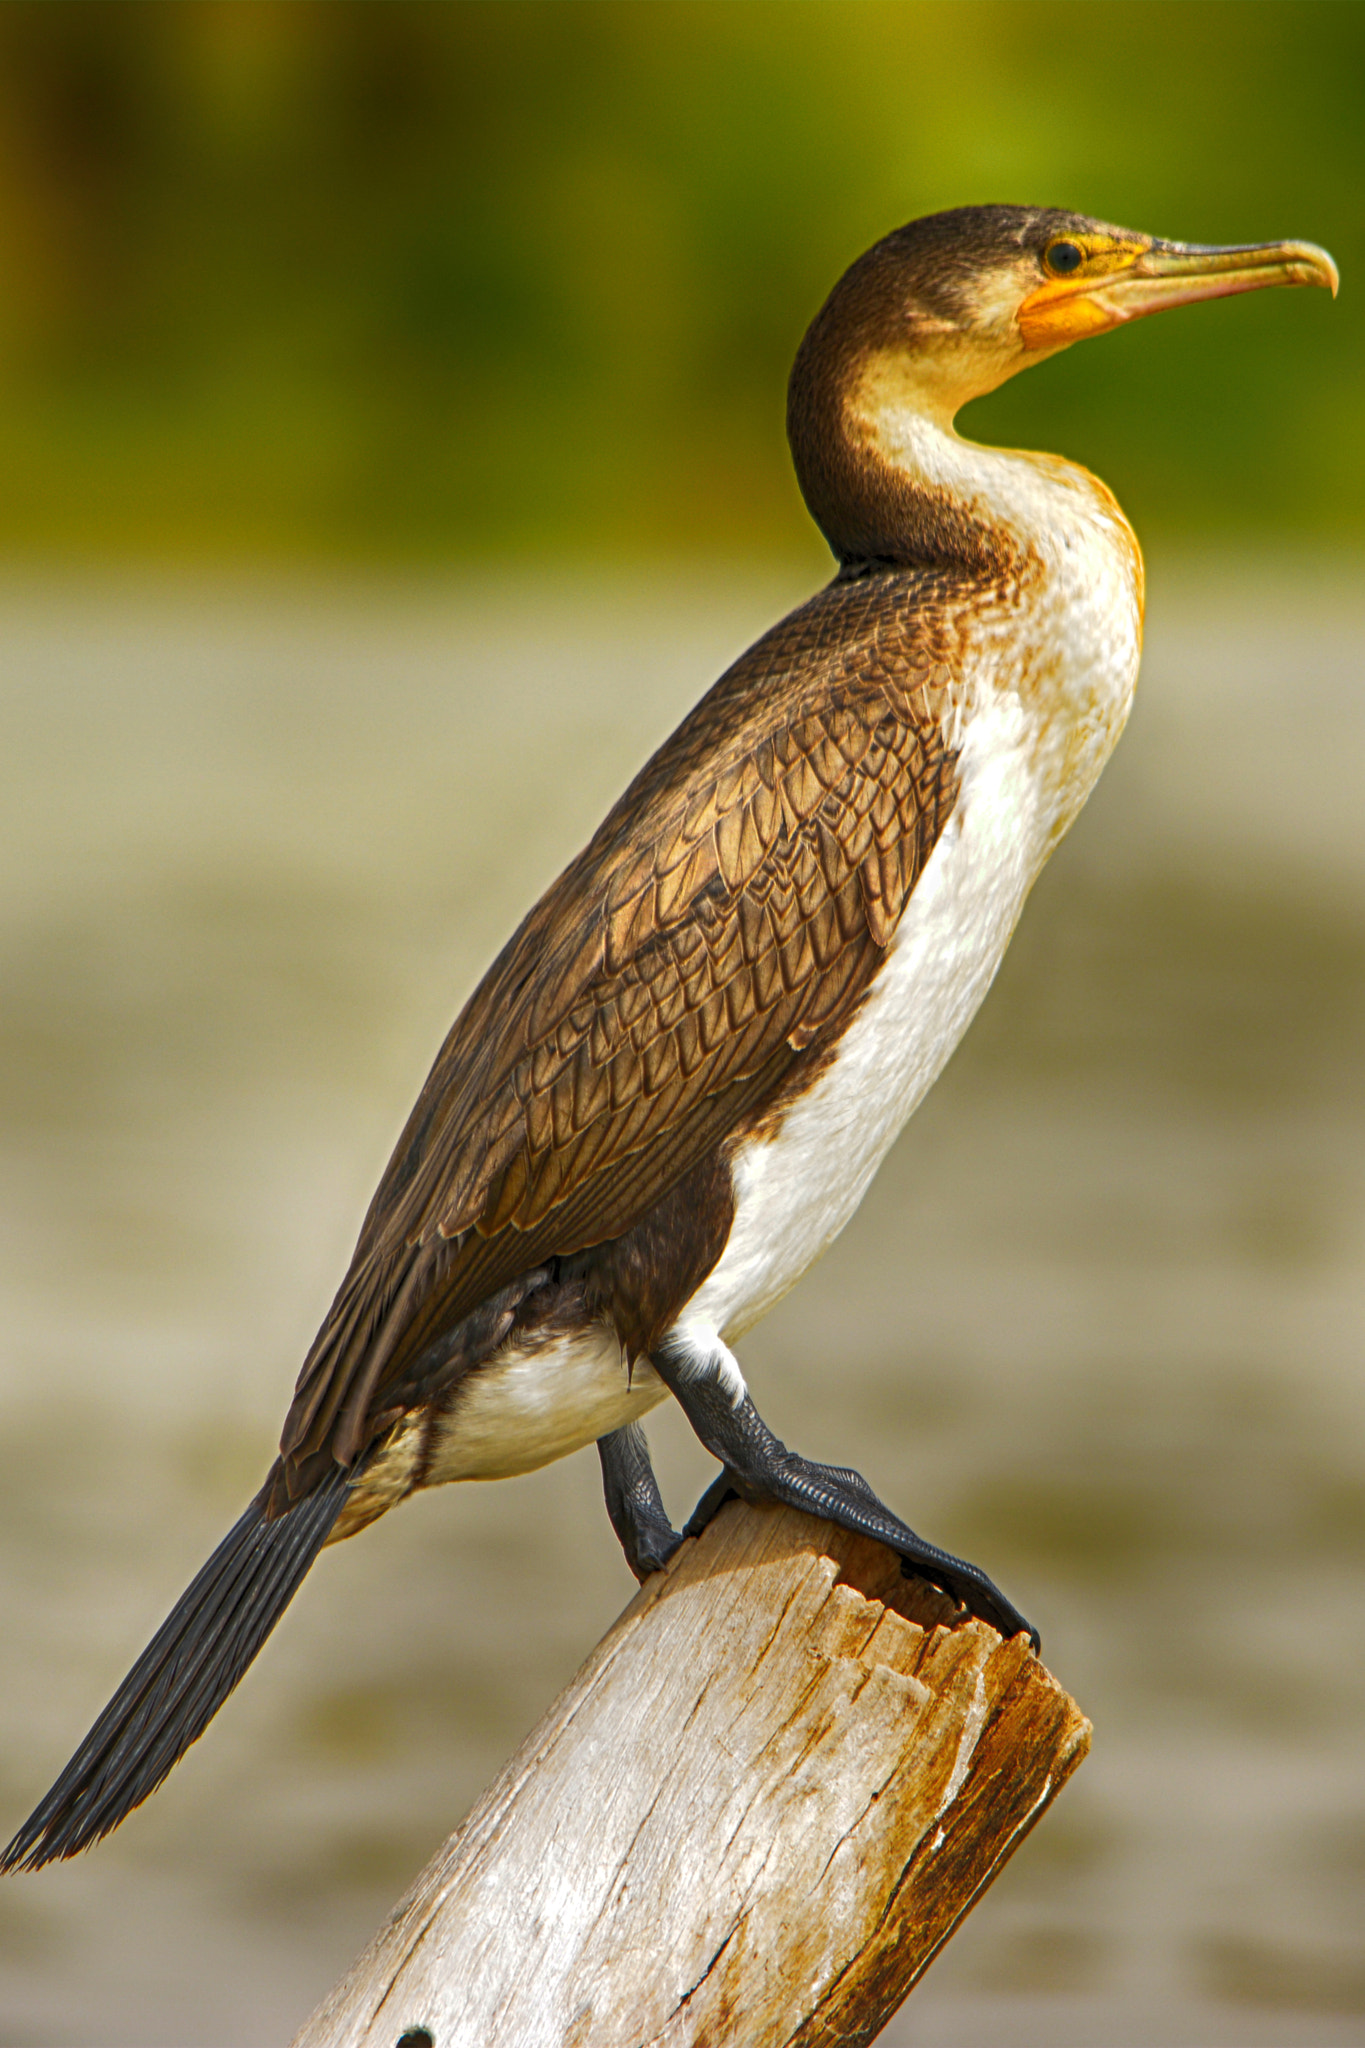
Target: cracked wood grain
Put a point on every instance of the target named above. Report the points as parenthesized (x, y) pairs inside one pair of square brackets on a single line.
[(753, 1817)]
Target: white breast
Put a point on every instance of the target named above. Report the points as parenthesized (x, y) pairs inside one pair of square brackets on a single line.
[(1045, 699), (795, 1191)]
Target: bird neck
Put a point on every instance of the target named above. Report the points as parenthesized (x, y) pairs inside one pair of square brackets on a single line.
[(890, 481)]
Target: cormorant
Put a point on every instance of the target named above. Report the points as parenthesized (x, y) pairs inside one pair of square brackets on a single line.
[(673, 1086)]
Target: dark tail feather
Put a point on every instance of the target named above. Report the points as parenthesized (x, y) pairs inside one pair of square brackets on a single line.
[(182, 1677)]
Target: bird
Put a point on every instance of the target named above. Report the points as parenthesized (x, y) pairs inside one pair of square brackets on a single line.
[(673, 1086)]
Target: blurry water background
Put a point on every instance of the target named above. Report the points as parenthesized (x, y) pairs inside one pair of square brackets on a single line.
[(390, 450), (1099, 1323)]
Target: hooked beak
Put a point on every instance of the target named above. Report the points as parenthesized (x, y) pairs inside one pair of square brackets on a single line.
[(1066, 309)]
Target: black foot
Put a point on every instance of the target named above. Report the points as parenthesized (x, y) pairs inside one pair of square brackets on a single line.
[(760, 1468), (722, 1488), (633, 1501)]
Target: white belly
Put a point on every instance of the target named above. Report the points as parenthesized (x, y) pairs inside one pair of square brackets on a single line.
[(794, 1192), (527, 1407)]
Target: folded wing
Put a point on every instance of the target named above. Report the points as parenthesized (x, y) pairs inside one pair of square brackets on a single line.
[(720, 927)]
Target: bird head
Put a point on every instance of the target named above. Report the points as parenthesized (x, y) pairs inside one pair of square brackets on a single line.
[(949, 307), (963, 300)]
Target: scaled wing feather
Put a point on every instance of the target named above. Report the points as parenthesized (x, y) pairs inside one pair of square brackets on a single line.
[(729, 914)]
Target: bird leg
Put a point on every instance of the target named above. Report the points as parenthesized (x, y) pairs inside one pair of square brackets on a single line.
[(633, 1501), (759, 1467)]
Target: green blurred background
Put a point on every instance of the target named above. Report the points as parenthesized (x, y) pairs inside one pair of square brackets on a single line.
[(425, 281)]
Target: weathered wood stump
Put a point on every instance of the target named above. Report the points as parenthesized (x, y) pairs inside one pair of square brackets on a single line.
[(752, 1818)]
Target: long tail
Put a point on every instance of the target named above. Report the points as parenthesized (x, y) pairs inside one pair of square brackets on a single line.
[(182, 1677)]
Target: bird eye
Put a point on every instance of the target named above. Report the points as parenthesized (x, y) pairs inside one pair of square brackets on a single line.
[(1064, 257)]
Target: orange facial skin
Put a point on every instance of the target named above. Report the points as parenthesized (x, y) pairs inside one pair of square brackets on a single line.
[(1100, 281)]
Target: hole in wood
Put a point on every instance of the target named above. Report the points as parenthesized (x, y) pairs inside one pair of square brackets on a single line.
[(417, 2037)]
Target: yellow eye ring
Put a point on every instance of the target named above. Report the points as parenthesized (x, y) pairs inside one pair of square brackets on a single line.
[(1064, 258)]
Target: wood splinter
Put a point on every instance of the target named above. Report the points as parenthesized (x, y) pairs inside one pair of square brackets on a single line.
[(753, 1817)]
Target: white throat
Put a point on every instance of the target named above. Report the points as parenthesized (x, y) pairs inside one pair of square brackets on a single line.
[(1045, 504), (1060, 632)]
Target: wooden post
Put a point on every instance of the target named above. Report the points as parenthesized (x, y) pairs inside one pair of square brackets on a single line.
[(752, 1818)]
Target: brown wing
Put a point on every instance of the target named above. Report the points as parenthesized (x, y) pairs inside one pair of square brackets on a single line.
[(728, 915)]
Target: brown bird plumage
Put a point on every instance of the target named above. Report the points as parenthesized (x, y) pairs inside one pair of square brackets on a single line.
[(692, 963), (671, 1089)]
